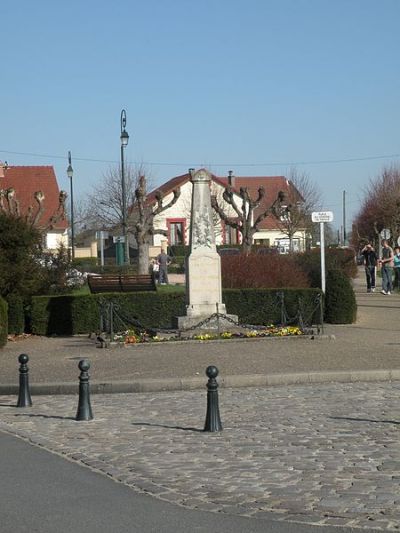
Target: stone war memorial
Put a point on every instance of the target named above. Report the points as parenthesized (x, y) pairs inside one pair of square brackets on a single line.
[(204, 305)]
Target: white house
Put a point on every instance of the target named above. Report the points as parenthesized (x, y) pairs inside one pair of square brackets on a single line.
[(176, 219)]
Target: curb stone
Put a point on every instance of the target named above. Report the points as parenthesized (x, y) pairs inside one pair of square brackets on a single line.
[(192, 383)]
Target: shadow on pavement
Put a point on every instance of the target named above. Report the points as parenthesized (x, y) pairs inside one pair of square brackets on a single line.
[(46, 416), (166, 426), (364, 420)]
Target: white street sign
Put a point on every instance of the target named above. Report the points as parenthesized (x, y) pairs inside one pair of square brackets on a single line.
[(119, 238), (322, 216), (385, 233)]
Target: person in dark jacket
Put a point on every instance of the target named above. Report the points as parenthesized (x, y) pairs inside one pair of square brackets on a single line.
[(370, 261), (163, 260)]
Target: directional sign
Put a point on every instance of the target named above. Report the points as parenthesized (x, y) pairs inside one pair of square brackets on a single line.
[(119, 238), (322, 216)]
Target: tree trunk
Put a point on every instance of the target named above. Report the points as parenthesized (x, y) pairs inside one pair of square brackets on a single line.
[(143, 258)]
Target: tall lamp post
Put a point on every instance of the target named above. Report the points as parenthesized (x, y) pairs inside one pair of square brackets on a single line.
[(124, 142), (70, 173)]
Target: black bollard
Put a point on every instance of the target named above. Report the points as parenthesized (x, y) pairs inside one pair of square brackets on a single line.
[(24, 396), (213, 420), (84, 409)]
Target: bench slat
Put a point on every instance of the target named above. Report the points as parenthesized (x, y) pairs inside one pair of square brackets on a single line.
[(128, 283)]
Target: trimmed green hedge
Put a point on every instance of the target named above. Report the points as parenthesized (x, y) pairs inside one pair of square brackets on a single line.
[(340, 300), (69, 315), (3, 322), (16, 315), (264, 306)]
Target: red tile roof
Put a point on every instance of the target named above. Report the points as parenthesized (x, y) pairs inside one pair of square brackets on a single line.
[(26, 181), (272, 185)]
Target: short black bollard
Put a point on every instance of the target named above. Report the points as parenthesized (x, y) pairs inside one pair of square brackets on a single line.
[(213, 420), (24, 396), (84, 409)]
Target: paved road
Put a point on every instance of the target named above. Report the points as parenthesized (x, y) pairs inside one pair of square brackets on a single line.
[(43, 493), (323, 454)]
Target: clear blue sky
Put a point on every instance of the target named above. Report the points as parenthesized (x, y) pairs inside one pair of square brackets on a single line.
[(238, 84)]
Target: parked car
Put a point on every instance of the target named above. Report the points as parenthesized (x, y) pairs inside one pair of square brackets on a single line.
[(228, 251), (268, 250)]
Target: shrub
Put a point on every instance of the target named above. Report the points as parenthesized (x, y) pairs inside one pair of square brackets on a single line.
[(266, 306), (335, 259), (267, 271), (3, 322), (68, 315), (340, 301), (177, 265), (177, 250), (16, 316), (20, 256)]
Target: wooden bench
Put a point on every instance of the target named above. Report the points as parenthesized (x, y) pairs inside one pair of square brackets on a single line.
[(122, 283)]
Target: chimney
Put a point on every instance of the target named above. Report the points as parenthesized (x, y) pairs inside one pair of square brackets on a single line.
[(3, 168), (231, 178)]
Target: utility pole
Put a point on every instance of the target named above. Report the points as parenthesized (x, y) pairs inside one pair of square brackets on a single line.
[(344, 219)]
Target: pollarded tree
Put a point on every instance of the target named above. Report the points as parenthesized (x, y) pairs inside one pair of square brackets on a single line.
[(141, 220), (302, 198), (244, 220)]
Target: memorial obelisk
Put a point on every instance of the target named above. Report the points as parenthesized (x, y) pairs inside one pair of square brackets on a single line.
[(203, 265)]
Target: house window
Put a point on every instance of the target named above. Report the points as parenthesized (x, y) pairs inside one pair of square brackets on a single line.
[(262, 242), (176, 231), (230, 235)]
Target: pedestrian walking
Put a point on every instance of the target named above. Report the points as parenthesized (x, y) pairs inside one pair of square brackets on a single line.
[(396, 261), (163, 261), (370, 261), (386, 262)]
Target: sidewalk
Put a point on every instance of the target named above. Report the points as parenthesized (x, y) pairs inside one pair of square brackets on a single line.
[(325, 454), (368, 349)]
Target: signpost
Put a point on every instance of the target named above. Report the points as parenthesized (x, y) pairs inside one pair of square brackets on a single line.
[(322, 217), (101, 235), (119, 249)]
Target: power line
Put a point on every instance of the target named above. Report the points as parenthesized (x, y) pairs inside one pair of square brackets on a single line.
[(167, 164)]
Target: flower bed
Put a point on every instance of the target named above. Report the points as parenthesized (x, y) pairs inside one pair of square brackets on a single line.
[(130, 337)]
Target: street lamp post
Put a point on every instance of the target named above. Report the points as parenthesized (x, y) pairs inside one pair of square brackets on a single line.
[(70, 173), (124, 142)]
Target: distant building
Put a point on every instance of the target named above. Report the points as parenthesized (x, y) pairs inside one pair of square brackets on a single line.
[(176, 219), (32, 192)]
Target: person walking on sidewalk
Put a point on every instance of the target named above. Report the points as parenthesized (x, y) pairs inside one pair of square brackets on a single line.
[(396, 261), (370, 261), (163, 260), (386, 262)]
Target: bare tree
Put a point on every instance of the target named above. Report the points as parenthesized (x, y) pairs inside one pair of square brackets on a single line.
[(380, 208), (104, 204), (141, 220), (244, 210), (302, 197)]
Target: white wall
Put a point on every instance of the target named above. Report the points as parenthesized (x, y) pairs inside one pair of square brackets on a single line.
[(181, 209), (55, 238)]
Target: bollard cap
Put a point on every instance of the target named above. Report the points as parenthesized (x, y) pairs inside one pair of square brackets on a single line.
[(84, 365), (23, 359), (212, 371)]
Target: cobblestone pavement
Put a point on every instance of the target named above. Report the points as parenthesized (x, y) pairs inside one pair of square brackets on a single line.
[(322, 454)]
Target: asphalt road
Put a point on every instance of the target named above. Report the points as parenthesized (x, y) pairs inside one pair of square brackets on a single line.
[(41, 492)]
